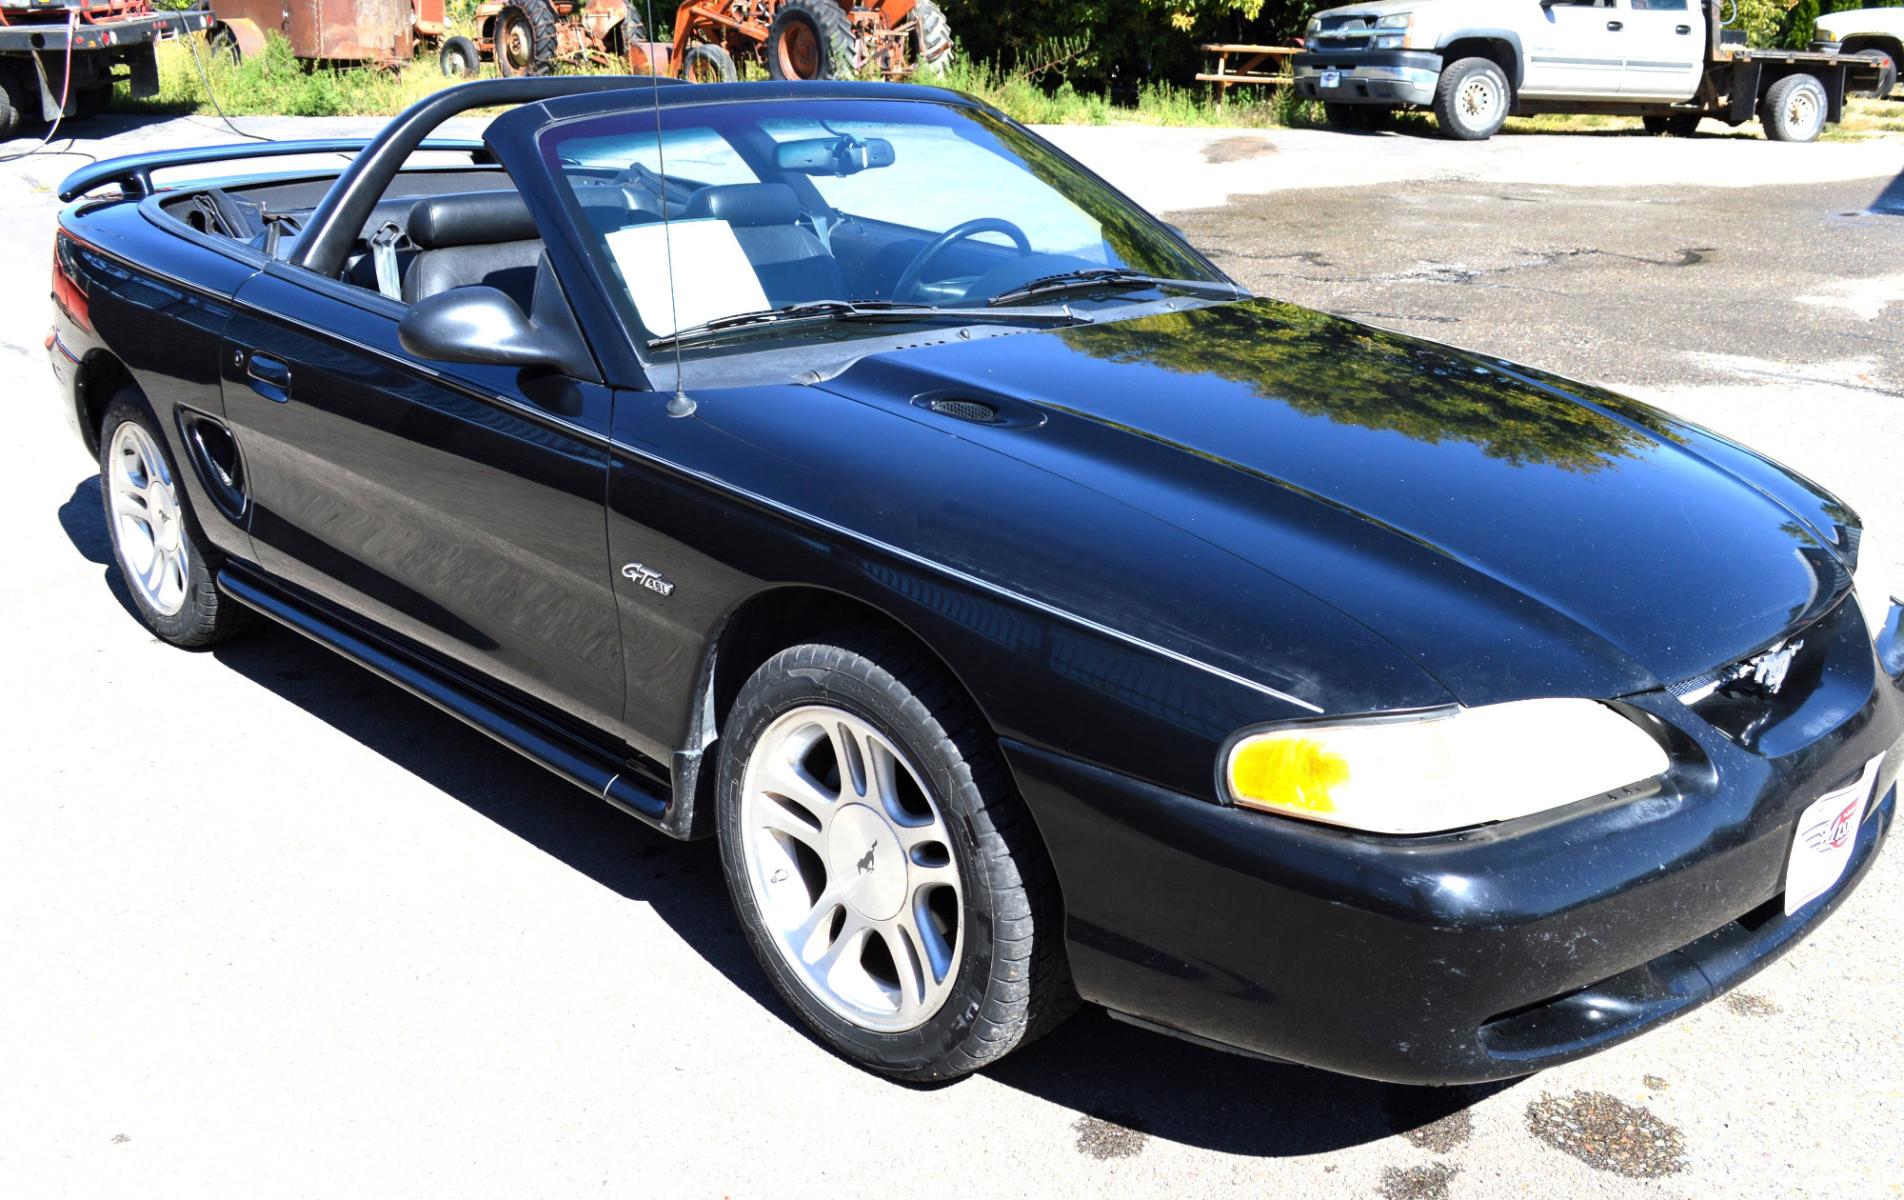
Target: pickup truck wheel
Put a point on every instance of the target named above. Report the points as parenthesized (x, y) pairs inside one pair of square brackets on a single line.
[(1471, 100), (1676, 125), (885, 871), (1356, 118), (1887, 73), (155, 541), (1794, 109)]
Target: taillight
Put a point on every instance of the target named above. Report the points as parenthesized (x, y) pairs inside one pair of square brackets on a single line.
[(69, 295)]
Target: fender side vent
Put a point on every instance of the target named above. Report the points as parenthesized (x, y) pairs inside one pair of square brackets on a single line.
[(965, 410), (219, 464)]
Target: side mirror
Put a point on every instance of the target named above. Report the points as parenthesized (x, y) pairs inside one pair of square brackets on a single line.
[(481, 325)]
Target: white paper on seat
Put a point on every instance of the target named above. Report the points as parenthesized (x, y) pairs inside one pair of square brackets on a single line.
[(712, 277)]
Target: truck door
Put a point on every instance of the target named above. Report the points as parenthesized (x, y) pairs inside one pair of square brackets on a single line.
[(1664, 47), (1574, 48)]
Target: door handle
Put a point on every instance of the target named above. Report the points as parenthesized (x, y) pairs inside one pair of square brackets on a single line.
[(269, 377), (1616, 26), (1682, 29)]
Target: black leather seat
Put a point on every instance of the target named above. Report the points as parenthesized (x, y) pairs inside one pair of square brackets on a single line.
[(469, 238), (792, 263)]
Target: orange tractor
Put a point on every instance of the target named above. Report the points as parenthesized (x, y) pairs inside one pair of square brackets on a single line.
[(797, 39)]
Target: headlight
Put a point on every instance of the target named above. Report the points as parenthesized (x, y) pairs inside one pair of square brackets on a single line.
[(1879, 580), (1315, 25), (1444, 770), (1395, 21), (1390, 41)]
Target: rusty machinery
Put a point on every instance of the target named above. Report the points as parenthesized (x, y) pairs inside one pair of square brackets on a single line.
[(382, 32), (796, 39)]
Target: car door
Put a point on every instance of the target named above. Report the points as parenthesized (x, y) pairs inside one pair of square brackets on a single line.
[(1664, 48), (459, 507), (1574, 49)]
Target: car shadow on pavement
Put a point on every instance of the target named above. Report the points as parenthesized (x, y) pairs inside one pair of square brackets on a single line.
[(1890, 201), (1126, 1084)]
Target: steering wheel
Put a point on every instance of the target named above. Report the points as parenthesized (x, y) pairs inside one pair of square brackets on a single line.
[(916, 269)]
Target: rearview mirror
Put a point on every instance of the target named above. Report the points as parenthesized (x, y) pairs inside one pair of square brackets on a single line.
[(481, 325), (843, 155)]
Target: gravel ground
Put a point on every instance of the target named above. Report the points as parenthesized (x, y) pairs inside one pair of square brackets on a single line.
[(269, 926)]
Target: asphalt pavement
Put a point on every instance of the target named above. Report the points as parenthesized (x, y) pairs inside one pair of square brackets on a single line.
[(270, 927)]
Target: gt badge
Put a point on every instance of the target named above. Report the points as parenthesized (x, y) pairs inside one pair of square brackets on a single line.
[(649, 578)]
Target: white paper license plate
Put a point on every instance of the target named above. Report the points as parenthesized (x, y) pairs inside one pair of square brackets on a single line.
[(1827, 831), (1331, 79)]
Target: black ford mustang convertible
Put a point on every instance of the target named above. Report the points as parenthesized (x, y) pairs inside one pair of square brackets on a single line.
[(1031, 613)]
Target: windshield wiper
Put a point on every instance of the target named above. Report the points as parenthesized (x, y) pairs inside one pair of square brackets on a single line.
[(1098, 278), (858, 310)]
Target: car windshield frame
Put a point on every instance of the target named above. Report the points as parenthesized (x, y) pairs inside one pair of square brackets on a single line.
[(1145, 244)]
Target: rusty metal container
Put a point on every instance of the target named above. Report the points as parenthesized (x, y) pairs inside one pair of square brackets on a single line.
[(384, 32)]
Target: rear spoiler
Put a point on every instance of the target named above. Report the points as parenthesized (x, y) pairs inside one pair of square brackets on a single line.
[(133, 172)]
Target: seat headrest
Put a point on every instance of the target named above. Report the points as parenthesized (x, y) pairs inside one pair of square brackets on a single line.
[(745, 204), (471, 219)]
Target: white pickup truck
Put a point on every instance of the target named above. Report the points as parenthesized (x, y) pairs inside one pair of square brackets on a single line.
[(1476, 62), (1869, 33)]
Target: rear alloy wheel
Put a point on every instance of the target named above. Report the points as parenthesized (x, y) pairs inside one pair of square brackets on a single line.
[(707, 63), (1794, 109), (810, 39), (1471, 100), (886, 873), (525, 40), (154, 540), (458, 58)]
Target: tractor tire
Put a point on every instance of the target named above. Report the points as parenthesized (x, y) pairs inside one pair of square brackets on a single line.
[(525, 38), (1472, 100), (810, 39), (1794, 109), (706, 62), (458, 58), (932, 40), (1675, 125)]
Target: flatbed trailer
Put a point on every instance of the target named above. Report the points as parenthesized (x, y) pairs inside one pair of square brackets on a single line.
[(62, 57)]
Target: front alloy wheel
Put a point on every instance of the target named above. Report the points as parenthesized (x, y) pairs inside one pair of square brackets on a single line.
[(888, 876), (851, 866)]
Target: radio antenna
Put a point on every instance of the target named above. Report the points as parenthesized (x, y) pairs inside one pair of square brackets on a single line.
[(679, 405)]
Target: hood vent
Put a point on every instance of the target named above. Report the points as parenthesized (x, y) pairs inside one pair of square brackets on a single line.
[(975, 411)]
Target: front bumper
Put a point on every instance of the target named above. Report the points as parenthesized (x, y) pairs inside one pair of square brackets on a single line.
[(1369, 76), (1465, 957)]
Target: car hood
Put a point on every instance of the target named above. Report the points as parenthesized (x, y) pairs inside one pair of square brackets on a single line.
[(1513, 534), (1372, 11)]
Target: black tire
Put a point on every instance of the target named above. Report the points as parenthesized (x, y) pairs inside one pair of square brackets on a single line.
[(1010, 983), (11, 116), (458, 58), (205, 617), (1887, 73), (1472, 100), (223, 43), (92, 101), (525, 38), (1355, 118), (932, 40), (810, 39), (1672, 125), (707, 63), (1794, 109)]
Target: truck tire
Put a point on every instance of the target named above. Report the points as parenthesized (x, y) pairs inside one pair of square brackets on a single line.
[(706, 62), (810, 39), (1887, 73), (11, 117), (1355, 118), (458, 58), (1472, 99), (1794, 109), (525, 38), (1676, 125), (932, 44)]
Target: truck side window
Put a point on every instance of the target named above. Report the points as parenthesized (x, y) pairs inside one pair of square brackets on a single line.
[(1658, 5)]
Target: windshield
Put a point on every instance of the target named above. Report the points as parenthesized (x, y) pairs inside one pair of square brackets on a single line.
[(752, 207)]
